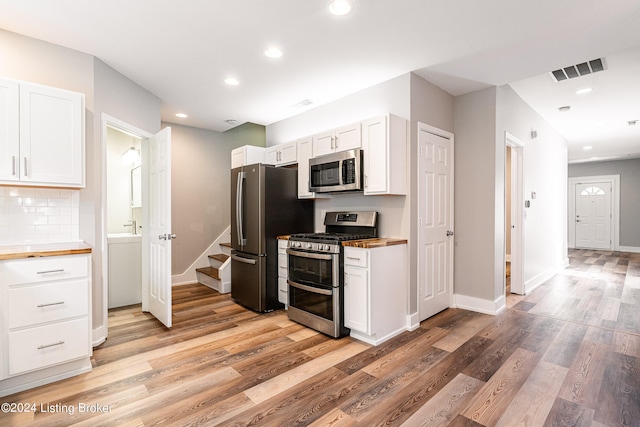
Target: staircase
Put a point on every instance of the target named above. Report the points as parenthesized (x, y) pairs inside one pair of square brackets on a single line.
[(218, 275)]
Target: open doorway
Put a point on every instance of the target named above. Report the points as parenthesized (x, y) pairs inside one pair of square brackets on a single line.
[(514, 216), (148, 213), (124, 218)]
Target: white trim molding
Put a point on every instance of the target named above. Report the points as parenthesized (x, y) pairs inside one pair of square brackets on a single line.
[(481, 305), (633, 249)]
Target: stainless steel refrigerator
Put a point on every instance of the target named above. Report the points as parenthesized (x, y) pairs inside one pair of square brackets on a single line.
[(264, 205)]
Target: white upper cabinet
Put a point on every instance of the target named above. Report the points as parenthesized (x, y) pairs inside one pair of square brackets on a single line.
[(282, 154), (247, 155), (304, 154), (9, 131), (340, 139), (384, 145), (49, 148)]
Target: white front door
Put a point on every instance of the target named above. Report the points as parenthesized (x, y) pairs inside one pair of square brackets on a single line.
[(157, 236), (593, 215), (435, 205)]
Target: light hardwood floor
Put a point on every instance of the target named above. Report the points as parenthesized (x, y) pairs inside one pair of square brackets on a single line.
[(568, 354)]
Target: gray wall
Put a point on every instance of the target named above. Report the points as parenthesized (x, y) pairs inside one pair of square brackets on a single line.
[(481, 120), (629, 171), (475, 204), (200, 186), (106, 91)]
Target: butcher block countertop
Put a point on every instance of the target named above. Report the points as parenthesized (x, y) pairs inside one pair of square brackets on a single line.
[(377, 242), (43, 250)]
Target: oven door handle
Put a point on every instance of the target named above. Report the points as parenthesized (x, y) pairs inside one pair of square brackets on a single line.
[(309, 255), (310, 288)]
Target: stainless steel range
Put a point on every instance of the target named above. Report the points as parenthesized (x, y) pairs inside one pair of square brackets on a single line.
[(316, 270)]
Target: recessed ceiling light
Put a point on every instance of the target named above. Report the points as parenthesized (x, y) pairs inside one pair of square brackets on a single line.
[(584, 90), (273, 52), (564, 109), (339, 7), (181, 115), (587, 148), (231, 81), (303, 103)]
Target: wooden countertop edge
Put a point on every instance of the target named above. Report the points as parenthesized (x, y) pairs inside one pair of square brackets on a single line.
[(374, 243), (45, 253)]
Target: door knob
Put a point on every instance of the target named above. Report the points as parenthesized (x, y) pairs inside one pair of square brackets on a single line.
[(167, 236), (449, 233)]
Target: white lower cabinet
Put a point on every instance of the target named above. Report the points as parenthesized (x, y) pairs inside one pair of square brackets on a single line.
[(375, 292), (283, 271), (45, 320)]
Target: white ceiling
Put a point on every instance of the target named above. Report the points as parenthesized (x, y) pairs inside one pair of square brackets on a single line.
[(183, 50)]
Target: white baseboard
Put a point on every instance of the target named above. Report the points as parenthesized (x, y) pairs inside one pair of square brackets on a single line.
[(413, 321), (372, 339), (480, 305), (189, 275), (633, 249), (44, 376), (99, 335), (539, 279)]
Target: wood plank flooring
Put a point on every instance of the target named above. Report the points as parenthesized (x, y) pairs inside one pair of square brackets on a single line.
[(567, 354)]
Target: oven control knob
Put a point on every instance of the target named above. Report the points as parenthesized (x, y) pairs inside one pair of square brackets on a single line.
[(309, 245)]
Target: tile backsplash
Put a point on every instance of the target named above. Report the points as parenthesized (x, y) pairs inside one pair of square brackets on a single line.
[(38, 215)]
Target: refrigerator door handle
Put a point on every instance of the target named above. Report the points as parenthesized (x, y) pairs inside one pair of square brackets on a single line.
[(239, 213), (245, 260)]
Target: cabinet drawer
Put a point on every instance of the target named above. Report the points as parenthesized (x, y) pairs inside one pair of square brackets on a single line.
[(283, 265), (46, 269), (356, 257), (31, 305), (48, 345), (283, 290)]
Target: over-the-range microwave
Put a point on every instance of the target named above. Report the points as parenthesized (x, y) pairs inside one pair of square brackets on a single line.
[(341, 171)]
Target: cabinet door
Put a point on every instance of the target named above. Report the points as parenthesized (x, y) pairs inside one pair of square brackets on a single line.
[(9, 131), (374, 145), (272, 155), (348, 137), (288, 153), (323, 143), (304, 154), (51, 136), (237, 158), (356, 299)]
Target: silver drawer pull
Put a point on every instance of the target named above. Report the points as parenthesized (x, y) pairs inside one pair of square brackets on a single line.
[(353, 258), (51, 271), (50, 304), (50, 345)]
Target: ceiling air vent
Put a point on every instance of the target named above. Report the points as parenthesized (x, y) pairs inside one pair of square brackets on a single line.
[(578, 70)]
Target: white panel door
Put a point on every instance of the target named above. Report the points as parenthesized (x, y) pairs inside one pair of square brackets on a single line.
[(435, 204), (593, 215), (158, 234)]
